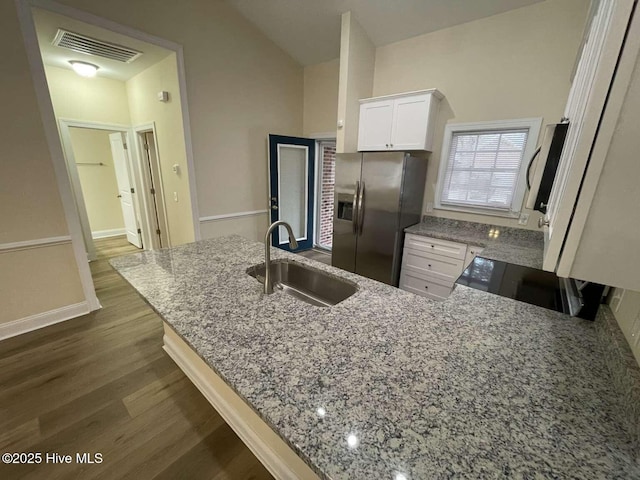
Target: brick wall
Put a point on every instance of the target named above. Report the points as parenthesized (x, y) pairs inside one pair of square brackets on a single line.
[(328, 172)]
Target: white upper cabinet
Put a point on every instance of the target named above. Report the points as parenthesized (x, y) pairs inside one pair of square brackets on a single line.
[(378, 117), (398, 122)]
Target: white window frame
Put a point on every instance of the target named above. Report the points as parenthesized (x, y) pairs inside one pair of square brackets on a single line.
[(533, 125)]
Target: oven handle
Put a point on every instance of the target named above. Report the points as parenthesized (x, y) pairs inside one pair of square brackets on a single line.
[(533, 157)]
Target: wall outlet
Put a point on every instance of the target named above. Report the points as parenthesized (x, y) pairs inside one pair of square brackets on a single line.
[(175, 196), (429, 207), (524, 219)]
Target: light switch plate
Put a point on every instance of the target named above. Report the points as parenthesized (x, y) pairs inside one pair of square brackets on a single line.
[(524, 219)]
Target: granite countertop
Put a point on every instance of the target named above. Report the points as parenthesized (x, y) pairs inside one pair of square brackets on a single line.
[(477, 386), (506, 244)]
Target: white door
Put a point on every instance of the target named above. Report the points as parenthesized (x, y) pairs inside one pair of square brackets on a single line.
[(123, 178), (374, 131), (410, 117), (587, 97)]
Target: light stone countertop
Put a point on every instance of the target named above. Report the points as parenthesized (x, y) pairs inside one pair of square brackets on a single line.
[(506, 244), (477, 386)]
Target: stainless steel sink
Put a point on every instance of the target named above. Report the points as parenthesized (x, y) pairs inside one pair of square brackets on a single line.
[(306, 283)]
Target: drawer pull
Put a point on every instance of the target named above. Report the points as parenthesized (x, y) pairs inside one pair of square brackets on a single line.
[(432, 246), (426, 287), (429, 265)]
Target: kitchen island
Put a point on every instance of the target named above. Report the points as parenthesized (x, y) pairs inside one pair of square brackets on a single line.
[(387, 384)]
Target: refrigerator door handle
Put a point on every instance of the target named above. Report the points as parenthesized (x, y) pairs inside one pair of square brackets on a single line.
[(361, 209), (354, 208)]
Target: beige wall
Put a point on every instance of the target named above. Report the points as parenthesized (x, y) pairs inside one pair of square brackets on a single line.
[(45, 278), (321, 98), (513, 65), (145, 108), (357, 57), (240, 88), (95, 99), (99, 186), (250, 226), (41, 279)]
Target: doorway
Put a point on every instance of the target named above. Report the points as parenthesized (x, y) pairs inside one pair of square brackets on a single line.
[(153, 191), (103, 181)]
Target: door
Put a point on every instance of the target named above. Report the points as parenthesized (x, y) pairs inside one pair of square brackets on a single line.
[(345, 210), (125, 191), (379, 215), (374, 131), (291, 188), (156, 195), (410, 119)]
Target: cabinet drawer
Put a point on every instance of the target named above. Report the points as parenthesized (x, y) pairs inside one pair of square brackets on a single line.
[(424, 288), (434, 245), (444, 268)]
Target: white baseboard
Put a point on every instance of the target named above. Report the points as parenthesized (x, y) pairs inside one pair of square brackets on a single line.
[(108, 233), (44, 319), (277, 457)]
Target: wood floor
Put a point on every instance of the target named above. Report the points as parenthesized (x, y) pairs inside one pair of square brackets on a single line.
[(101, 383), (317, 255)]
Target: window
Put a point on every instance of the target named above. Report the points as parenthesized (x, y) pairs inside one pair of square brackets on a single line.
[(483, 166)]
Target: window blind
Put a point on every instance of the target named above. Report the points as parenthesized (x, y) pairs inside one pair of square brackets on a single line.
[(482, 168)]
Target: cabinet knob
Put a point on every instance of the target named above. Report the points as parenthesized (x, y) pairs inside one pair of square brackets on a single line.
[(391, 145), (429, 265), (386, 145), (426, 287), (432, 246)]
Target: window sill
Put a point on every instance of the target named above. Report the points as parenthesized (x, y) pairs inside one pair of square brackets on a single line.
[(479, 211)]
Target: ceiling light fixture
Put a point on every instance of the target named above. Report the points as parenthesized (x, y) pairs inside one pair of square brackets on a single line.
[(84, 69)]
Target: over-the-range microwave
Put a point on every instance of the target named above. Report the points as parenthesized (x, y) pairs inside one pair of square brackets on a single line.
[(544, 173)]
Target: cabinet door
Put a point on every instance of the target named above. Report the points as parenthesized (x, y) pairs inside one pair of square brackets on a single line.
[(587, 97), (410, 119), (472, 252), (374, 132)]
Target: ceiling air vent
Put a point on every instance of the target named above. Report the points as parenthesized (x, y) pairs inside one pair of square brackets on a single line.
[(92, 46)]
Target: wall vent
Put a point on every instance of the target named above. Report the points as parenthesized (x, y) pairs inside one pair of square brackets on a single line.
[(93, 46)]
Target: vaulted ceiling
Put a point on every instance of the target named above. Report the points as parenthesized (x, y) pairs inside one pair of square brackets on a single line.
[(309, 30)]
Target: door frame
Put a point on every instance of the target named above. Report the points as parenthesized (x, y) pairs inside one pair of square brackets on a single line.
[(43, 98), (145, 184), (67, 147)]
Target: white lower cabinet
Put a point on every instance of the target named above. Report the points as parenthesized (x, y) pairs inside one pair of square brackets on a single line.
[(431, 266)]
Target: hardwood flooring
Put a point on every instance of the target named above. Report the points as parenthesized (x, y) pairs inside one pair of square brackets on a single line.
[(101, 383), (317, 255)]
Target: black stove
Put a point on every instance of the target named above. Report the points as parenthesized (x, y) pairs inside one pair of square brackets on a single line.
[(534, 286)]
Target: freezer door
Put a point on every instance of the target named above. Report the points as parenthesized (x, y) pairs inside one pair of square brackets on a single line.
[(348, 170), (380, 190)]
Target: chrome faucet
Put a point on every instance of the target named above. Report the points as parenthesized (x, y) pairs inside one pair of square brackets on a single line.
[(268, 287)]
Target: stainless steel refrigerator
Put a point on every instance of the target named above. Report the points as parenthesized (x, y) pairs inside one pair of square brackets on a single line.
[(377, 195)]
